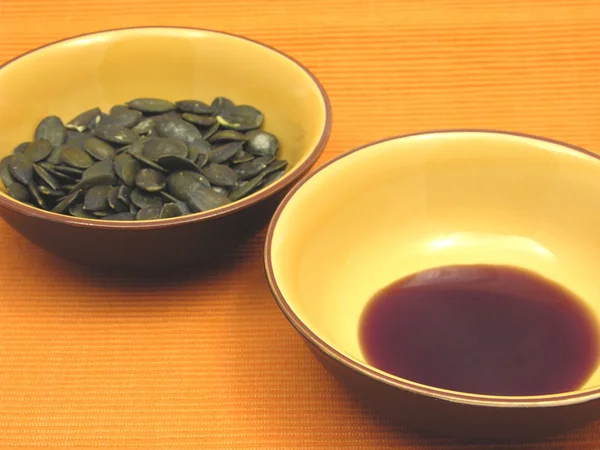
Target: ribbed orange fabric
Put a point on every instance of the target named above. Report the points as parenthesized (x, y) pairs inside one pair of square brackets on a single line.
[(206, 360)]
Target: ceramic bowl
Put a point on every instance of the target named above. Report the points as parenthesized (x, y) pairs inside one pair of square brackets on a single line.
[(107, 68), (406, 204)]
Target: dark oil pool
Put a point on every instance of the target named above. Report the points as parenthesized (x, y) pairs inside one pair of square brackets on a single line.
[(481, 329)]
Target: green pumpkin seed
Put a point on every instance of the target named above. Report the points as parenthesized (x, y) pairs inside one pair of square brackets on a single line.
[(75, 139), (21, 147), (246, 188), (201, 160), (242, 156), (227, 135), (262, 143), (81, 122), (172, 163), (200, 121), (121, 216), (52, 129), (115, 134), (145, 126), (38, 150), (171, 210), (54, 157), (99, 149), (133, 209), (220, 175), (204, 199), (149, 213), (46, 177), (35, 194), (51, 169), (124, 194), (66, 202), (221, 104), (100, 214), (100, 173), (181, 183), (211, 131), (126, 168), (193, 106), (272, 177), (151, 105), (169, 197), (143, 199), (78, 211), (275, 166), (148, 162), (197, 147), (221, 190), (157, 147), (177, 128), (241, 118), (70, 171), (122, 116), (96, 198), (224, 152), (21, 168), (75, 157), (5, 175), (150, 180), (48, 192), (114, 202), (19, 192), (249, 169)]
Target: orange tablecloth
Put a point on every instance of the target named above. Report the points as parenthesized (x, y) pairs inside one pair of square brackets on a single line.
[(206, 359)]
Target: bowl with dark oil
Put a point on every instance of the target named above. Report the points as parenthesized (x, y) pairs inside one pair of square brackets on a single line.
[(449, 280), (153, 147)]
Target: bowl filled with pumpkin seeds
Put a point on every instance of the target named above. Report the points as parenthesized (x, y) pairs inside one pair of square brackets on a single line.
[(153, 147)]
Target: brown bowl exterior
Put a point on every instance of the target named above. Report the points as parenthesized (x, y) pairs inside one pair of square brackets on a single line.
[(169, 63)]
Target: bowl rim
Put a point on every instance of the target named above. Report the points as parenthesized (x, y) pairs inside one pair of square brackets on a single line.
[(281, 185), (366, 370)]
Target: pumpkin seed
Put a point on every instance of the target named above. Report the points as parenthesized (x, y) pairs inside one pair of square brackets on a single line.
[(203, 199), (96, 198), (52, 129), (145, 126), (181, 183), (211, 131), (126, 168), (241, 118), (242, 156), (193, 106), (149, 213), (143, 199), (221, 104), (227, 135), (48, 192), (51, 169), (21, 147), (246, 188), (76, 139), (70, 171), (220, 174), (224, 152), (169, 197), (172, 162), (54, 157), (200, 121), (75, 157), (35, 194), (82, 121), (275, 166), (157, 147), (78, 211), (148, 162), (220, 190), (170, 210), (197, 147), (18, 192), (122, 116), (262, 143), (5, 175), (272, 177), (133, 209), (100, 214), (21, 168), (150, 180), (100, 173), (120, 216), (201, 160), (125, 194), (115, 134), (250, 169), (177, 128), (46, 177), (99, 149), (38, 150), (66, 202), (114, 202), (151, 105)]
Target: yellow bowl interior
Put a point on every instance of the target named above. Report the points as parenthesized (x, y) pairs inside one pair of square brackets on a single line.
[(428, 200), (112, 67)]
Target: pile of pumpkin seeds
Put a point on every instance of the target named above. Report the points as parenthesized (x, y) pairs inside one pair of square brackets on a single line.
[(147, 159)]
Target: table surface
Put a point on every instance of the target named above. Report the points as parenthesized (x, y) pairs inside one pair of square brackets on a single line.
[(207, 359)]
